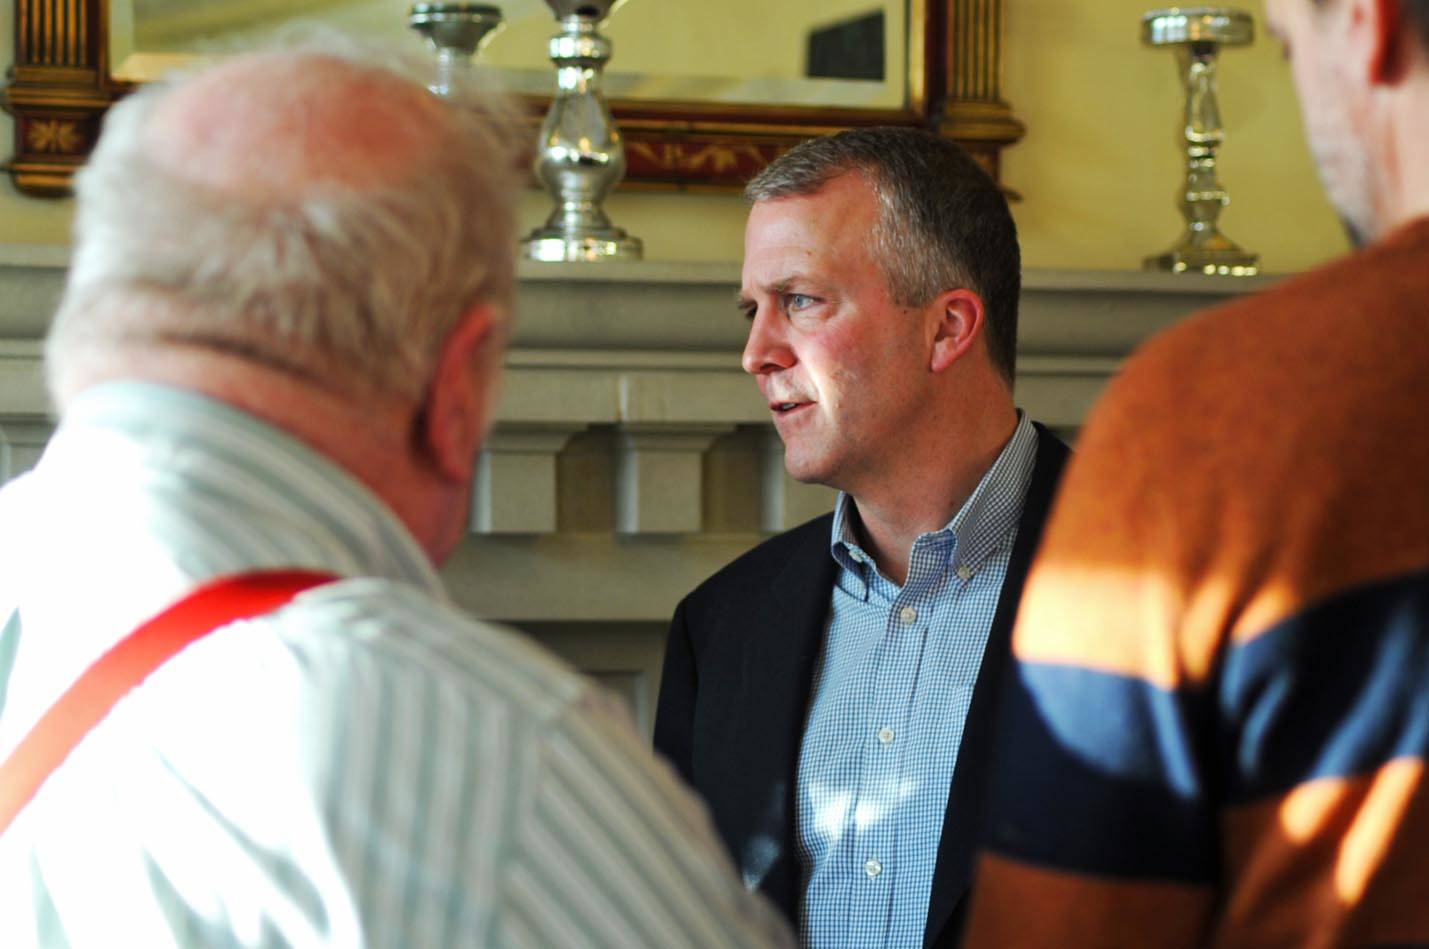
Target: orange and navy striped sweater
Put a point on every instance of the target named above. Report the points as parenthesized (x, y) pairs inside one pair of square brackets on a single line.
[(1219, 724)]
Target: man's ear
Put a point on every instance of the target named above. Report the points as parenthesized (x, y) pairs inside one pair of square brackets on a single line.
[(453, 421), (959, 321), (1380, 38)]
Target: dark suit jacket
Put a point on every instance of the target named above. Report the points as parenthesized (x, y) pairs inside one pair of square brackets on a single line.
[(738, 675)]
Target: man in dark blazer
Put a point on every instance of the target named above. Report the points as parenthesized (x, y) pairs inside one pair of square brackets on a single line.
[(829, 692)]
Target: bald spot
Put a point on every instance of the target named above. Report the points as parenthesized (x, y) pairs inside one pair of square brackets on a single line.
[(277, 125)]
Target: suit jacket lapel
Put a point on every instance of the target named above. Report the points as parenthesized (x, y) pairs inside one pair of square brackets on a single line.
[(962, 821), (778, 677)]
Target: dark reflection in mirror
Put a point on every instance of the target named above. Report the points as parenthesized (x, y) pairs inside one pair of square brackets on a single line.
[(852, 49)]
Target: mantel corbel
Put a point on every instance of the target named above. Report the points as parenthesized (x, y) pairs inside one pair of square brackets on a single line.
[(516, 490), (659, 476)]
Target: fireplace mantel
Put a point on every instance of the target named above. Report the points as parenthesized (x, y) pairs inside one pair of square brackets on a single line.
[(631, 456)]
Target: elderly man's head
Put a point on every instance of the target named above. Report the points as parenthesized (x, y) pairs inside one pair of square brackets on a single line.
[(304, 210), (316, 240)]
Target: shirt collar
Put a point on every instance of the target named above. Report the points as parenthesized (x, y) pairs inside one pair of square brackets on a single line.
[(844, 548), (168, 431), (987, 519)]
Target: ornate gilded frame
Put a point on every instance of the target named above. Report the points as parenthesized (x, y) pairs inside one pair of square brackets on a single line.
[(60, 86)]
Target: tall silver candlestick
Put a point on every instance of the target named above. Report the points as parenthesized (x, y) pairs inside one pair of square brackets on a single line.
[(1197, 34), (455, 31), (581, 156)]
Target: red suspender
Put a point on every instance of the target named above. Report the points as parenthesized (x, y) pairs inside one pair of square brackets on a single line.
[(131, 661)]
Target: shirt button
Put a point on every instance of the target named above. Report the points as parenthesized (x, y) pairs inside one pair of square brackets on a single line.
[(872, 867), (857, 555), (965, 572), (885, 735), (908, 614)]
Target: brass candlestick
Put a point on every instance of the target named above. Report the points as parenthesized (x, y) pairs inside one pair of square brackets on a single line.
[(1197, 34)]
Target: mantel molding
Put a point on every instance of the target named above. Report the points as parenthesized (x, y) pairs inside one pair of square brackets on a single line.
[(595, 329), (624, 408), (632, 457), (622, 310)]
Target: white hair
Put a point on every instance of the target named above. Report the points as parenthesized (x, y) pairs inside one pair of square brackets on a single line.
[(357, 287)]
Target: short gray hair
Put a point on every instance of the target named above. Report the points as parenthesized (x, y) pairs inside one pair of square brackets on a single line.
[(943, 223), (358, 287)]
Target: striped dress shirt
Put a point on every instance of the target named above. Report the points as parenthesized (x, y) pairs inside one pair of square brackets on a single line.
[(366, 766), (891, 696)]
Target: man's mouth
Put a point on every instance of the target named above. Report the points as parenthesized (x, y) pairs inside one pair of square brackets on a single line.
[(782, 409)]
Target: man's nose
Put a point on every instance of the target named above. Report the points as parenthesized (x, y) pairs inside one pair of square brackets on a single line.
[(767, 349)]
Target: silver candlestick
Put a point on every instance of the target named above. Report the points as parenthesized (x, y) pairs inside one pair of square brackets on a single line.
[(455, 31), (1198, 34), (581, 156)]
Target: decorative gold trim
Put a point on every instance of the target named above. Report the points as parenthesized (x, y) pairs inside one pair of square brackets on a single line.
[(918, 55), (53, 135), (61, 85)]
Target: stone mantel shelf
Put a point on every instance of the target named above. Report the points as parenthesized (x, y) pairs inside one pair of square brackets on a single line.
[(56, 257), (650, 343), (631, 456), (722, 273), (625, 379), (689, 307)]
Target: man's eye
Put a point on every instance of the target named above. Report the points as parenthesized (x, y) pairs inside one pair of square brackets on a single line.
[(797, 301)]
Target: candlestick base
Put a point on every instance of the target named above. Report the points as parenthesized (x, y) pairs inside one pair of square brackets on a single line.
[(554, 247)]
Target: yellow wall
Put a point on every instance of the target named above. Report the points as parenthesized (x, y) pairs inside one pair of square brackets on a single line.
[(1098, 169), (1100, 166)]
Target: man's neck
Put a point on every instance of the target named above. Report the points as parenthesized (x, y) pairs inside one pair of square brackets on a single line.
[(1404, 183), (368, 438), (894, 512)]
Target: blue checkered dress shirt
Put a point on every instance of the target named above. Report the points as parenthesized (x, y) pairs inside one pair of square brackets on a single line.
[(891, 695)]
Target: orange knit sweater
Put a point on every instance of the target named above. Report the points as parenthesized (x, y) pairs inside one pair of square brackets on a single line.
[(1219, 730)]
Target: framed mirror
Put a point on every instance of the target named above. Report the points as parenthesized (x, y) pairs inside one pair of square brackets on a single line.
[(705, 94)]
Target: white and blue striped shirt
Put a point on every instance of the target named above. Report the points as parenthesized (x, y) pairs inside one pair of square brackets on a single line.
[(891, 696), (365, 767)]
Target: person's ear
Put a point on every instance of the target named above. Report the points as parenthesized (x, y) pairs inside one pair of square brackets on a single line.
[(1377, 36), (454, 418), (959, 316)]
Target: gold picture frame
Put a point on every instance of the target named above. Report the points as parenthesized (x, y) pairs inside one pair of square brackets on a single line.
[(61, 84)]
